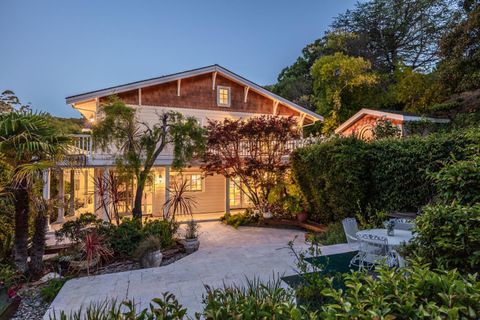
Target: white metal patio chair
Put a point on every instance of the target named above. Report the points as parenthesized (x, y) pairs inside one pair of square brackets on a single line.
[(374, 250), (350, 227)]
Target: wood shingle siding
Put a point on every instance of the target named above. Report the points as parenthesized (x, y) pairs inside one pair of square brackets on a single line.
[(196, 93)]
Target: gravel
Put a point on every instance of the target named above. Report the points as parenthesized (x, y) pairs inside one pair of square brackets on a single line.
[(32, 307)]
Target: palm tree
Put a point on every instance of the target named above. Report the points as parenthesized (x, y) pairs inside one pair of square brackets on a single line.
[(29, 143)]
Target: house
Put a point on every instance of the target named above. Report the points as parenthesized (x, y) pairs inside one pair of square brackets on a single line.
[(362, 123), (211, 92)]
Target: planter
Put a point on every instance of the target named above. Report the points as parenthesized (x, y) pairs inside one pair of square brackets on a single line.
[(191, 245), (267, 215), (152, 259), (302, 217)]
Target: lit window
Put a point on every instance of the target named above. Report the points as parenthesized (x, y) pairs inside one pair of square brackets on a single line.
[(223, 96), (194, 181)]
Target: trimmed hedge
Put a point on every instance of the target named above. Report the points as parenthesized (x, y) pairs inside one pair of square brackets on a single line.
[(333, 177), (345, 176)]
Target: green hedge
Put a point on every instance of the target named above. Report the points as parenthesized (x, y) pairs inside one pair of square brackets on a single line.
[(333, 177), (344, 176)]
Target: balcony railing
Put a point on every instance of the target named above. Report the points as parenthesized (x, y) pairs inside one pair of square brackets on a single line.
[(81, 144)]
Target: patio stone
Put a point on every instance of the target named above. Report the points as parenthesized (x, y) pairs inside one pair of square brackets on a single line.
[(225, 255)]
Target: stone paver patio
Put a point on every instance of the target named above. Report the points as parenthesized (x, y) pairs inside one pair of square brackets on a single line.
[(226, 255)]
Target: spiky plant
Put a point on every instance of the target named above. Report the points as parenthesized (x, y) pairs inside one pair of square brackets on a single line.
[(180, 202)]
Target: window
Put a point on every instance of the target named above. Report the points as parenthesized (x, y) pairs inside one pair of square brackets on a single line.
[(194, 181), (223, 96)]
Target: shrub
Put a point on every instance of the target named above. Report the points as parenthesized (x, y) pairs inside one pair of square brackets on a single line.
[(333, 177), (94, 250), (344, 175), (50, 290), (76, 229), (9, 276), (414, 292), (6, 229), (459, 181), (149, 244), (409, 293), (399, 170), (448, 236), (333, 235), (124, 238), (239, 219), (255, 301), (165, 230), (166, 308)]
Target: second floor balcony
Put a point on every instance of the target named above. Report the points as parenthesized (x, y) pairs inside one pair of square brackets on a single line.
[(82, 150)]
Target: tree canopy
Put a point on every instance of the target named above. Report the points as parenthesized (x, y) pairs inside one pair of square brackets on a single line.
[(139, 144), (421, 52)]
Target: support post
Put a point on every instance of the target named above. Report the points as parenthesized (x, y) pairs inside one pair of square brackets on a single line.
[(71, 206), (96, 201), (46, 191), (61, 198), (227, 195), (106, 173), (167, 192)]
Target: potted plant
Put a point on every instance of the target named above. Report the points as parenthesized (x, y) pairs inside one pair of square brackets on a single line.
[(265, 209), (191, 242), (149, 252), (293, 205)]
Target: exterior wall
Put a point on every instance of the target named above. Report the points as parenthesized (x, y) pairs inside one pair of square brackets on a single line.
[(212, 197), (196, 93), (362, 127)]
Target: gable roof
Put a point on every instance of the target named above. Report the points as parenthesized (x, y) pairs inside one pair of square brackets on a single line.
[(394, 115), (186, 74)]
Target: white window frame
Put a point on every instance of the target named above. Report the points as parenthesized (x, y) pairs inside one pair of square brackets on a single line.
[(219, 88), (188, 175)]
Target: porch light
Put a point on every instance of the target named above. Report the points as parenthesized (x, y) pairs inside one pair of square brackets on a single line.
[(92, 119), (158, 179)]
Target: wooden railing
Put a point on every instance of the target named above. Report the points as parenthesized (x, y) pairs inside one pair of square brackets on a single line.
[(81, 144)]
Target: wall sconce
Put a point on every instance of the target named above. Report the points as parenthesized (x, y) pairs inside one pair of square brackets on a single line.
[(158, 179), (91, 119)]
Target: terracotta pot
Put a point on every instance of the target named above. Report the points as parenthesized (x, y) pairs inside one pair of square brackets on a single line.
[(152, 259), (302, 217), (191, 245)]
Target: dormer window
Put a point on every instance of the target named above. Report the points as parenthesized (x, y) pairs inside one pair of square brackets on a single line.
[(223, 96)]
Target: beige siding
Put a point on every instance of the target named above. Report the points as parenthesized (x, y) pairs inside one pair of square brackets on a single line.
[(212, 197)]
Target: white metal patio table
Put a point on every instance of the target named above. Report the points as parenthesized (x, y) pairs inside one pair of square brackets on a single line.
[(399, 237)]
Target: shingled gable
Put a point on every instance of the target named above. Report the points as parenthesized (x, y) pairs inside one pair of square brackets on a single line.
[(214, 74), (394, 116)]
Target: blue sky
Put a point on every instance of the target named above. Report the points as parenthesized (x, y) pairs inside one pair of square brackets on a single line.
[(51, 49)]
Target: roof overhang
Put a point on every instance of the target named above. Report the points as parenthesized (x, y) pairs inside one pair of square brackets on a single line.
[(385, 114), (187, 74)]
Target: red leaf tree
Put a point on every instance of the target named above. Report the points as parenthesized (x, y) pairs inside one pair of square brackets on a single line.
[(255, 150)]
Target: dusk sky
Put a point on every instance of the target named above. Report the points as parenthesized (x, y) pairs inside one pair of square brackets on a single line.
[(53, 49)]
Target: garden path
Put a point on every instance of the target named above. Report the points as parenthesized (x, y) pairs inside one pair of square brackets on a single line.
[(225, 255)]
